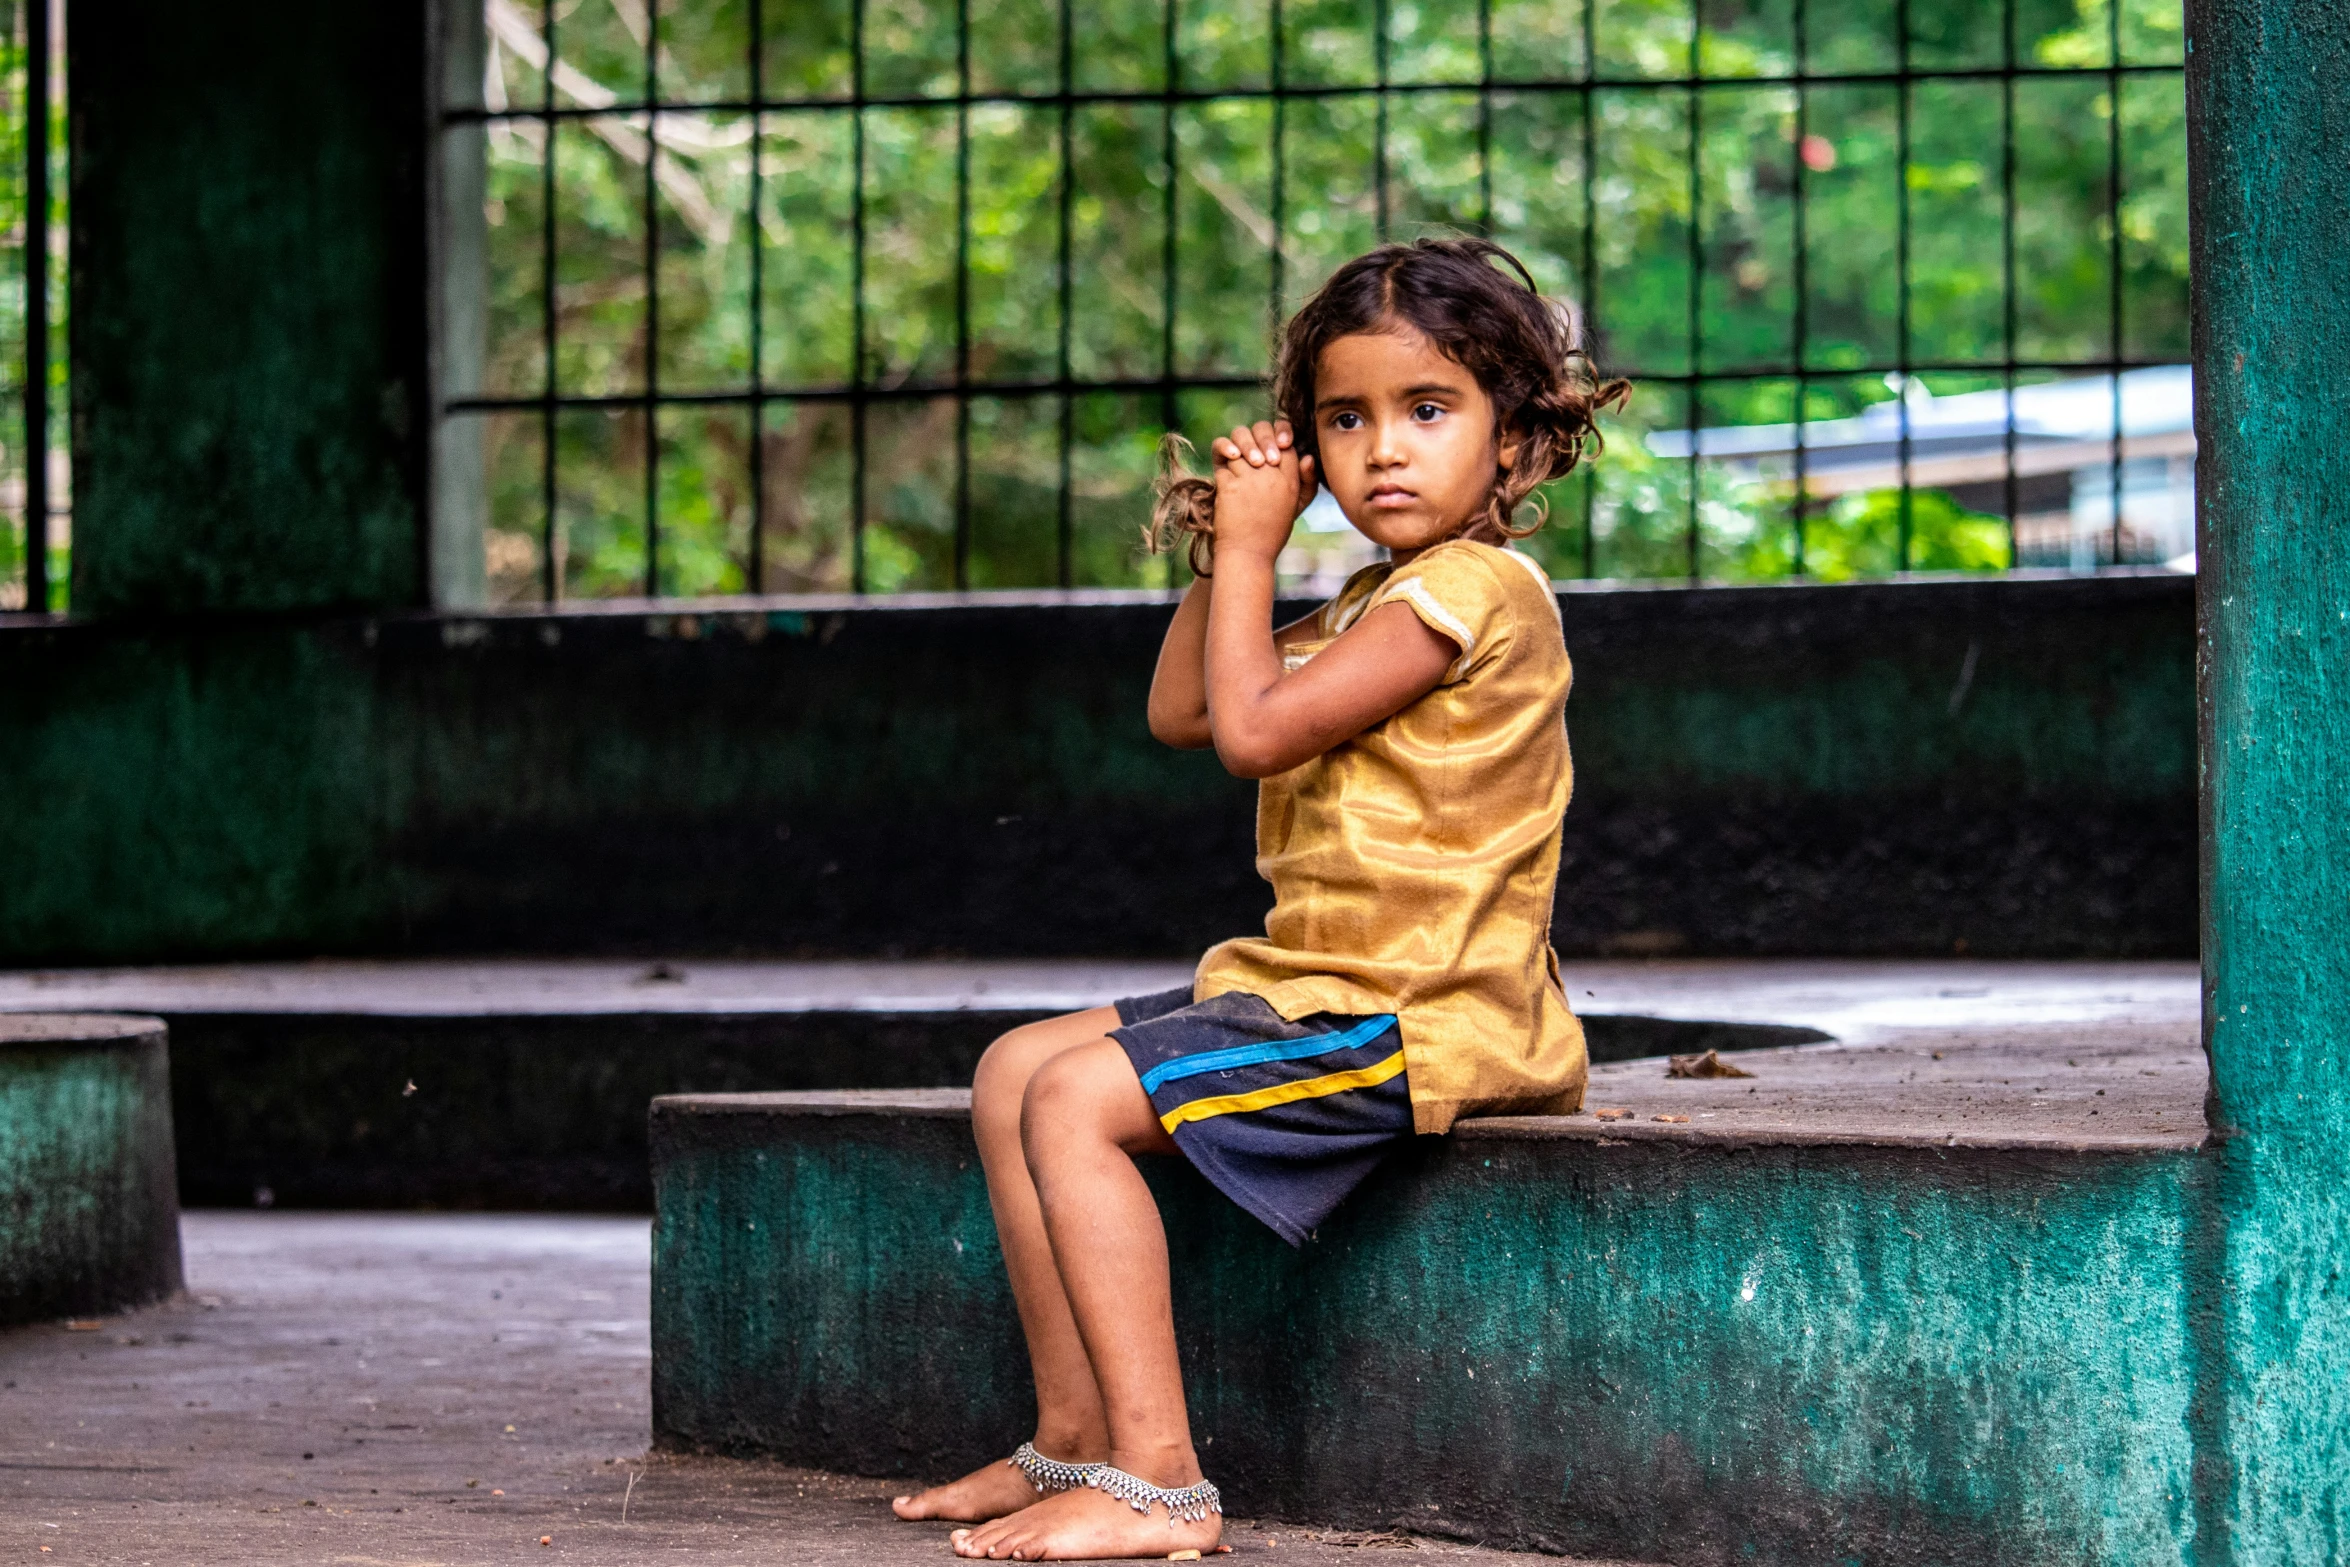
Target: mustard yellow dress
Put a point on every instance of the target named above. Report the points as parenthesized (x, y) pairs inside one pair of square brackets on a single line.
[(1413, 867)]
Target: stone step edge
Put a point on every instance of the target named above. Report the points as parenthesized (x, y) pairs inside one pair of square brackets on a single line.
[(955, 1104)]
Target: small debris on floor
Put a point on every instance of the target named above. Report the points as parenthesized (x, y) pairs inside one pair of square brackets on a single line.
[(1613, 1114), (1709, 1064), (1674, 1120)]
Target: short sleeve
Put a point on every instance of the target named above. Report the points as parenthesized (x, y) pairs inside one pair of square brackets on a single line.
[(1457, 594), (1350, 602)]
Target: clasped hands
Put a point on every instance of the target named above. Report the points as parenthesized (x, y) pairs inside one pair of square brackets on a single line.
[(1262, 484)]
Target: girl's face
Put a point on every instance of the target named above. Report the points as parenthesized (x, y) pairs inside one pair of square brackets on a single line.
[(1406, 438)]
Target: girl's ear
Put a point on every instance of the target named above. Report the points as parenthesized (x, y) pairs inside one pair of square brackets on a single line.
[(1511, 441)]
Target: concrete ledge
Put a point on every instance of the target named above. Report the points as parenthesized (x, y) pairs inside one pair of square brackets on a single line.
[(1819, 1331), (89, 1207), (530, 1077), (1682, 1351)]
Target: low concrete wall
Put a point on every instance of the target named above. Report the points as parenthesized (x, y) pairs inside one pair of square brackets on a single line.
[(89, 1213), (527, 1113), (1995, 767), (548, 1112), (1693, 1354)]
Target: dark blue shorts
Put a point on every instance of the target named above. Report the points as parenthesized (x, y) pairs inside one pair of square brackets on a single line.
[(1284, 1118)]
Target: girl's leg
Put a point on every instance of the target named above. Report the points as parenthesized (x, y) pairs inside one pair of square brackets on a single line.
[(1085, 1118), (1069, 1421)]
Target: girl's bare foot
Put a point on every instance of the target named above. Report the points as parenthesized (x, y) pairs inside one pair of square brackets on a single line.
[(990, 1491), (1086, 1525)]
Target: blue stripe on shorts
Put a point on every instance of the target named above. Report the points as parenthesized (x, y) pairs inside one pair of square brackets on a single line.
[(1285, 1118)]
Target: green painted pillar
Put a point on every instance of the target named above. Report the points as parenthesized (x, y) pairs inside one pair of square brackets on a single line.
[(250, 309), (2268, 84), (89, 1197)]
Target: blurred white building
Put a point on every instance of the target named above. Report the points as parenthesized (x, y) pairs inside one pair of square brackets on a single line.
[(2066, 438)]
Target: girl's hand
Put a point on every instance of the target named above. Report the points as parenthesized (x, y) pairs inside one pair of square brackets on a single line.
[(1261, 486)]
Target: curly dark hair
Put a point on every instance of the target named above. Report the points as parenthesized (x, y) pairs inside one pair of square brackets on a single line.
[(1524, 349)]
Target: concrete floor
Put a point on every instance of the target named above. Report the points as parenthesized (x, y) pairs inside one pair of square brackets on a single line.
[(416, 1390)]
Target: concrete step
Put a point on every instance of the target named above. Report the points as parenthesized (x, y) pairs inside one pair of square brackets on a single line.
[(1913, 1295), (524, 1084), (89, 1219), (292, 1081)]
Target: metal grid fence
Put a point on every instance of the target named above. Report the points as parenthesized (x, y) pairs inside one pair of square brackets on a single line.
[(1690, 72)]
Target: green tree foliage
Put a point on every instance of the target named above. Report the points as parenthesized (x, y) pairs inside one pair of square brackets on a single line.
[(13, 366), (1265, 199)]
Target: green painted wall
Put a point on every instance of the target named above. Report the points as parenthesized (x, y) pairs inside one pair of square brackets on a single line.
[(1759, 770), (89, 1211), (249, 302), (1697, 1355), (2269, 120)]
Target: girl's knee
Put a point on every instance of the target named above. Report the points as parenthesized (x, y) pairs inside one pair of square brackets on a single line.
[(1001, 1078), (1000, 1081), (1080, 1090)]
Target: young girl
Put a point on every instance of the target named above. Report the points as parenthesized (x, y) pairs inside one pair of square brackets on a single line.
[(1411, 744)]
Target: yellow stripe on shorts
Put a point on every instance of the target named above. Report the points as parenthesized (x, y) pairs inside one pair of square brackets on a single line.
[(1284, 1093)]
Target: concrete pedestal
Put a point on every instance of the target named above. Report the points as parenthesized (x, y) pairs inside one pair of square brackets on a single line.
[(89, 1204), (1915, 1296)]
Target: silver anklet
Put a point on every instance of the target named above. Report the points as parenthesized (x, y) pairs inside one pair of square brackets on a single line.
[(1050, 1474), (1187, 1504)]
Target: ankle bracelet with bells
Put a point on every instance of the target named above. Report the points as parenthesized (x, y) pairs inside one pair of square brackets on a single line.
[(1050, 1474), (1187, 1504)]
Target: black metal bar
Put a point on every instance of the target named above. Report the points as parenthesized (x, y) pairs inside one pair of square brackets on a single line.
[(550, 569), (471, 116), (1277, 74), (962, 563), (36, 306), (1379, 121), (652, 393), (1696, 302), (1800, 348), (1590, 263), (856, 388), (758, 303), (1485, 116), (1901, 353), (1169, 65), (903, 391), (2007, 293), (1064, 520), (2113, 265)]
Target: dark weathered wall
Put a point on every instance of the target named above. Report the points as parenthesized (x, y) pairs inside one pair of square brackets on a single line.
[(1886, 769), (500, 1111), (248, 305), (2269, 121)]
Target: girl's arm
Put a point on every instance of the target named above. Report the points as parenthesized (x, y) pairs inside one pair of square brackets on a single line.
[(1179, 686), (1262, 721)]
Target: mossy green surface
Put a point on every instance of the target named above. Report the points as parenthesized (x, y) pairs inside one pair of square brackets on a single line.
[(249, 306), (1795, 1355), (89, 1218), (1867, 769), (2271, 190)]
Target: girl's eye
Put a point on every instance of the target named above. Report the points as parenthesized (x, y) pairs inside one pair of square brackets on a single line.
[(1346, 421), (1427, 413)]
